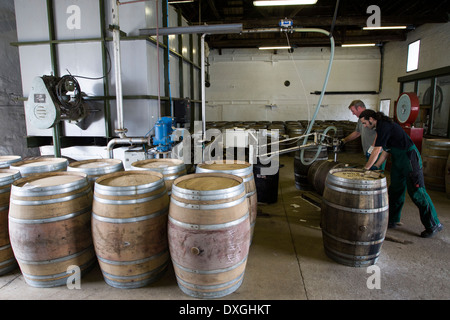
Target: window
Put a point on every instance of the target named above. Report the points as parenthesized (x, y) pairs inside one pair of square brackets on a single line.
[(413, 56)]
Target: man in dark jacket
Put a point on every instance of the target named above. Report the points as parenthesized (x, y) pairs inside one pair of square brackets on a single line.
[(406, 172)]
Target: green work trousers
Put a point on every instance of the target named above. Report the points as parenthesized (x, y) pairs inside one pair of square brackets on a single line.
[(407, 174)]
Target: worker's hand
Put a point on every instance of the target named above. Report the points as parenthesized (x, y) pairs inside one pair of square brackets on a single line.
[(374, 168), (340, 144)]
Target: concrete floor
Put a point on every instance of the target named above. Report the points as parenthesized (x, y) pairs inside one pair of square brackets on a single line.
[(287, 260)]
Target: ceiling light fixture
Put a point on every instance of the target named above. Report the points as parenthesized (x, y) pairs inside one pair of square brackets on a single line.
[(385, 28), (275, 48), (359, 45), (282, 2), (180, 1)]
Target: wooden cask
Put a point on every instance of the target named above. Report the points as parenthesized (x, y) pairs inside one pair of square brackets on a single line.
[(95, 168), (434, 159), (243, 170), (50, 226), (318, 171), (447, 177), (6, 161), (301, 170), (170, 169), (40, 165), (129, 227), (209, 233), (355, 214), (7, 260)]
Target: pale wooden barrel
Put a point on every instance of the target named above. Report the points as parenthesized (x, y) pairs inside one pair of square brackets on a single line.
[(50, 226), (40, 165), (6, 161), (129, 227), (170, 168), (96, 168), (243, 170), (7, 260), (355, 214), (209, 233), (434, 159)]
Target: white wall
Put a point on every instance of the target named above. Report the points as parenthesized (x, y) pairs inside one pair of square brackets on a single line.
[(434, 44), (245, 81)]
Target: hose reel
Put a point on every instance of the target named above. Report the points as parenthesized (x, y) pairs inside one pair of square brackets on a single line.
[(53, 99)]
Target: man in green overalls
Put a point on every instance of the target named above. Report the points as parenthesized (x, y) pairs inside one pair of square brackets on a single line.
[(406, 172)]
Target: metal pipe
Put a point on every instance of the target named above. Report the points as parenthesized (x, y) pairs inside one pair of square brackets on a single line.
[(202, 45), (208, 29), (118, 69), (113, 142)]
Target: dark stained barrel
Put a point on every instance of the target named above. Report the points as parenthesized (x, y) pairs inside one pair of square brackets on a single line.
[(434, 158), (301, 170), (355, 214), (318, 171)]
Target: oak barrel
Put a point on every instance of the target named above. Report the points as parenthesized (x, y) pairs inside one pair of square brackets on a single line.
[(243, 170), (447, 177), (434, 160), (209, 233), (318, 171), (129, 227), (95, 168), (7, 260), (6, 161), (170, 168), (40, 165), (301, 170), (50, 226), (355, 213)]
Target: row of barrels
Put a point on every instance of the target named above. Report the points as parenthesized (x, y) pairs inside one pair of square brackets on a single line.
[(292, 129), (130, 222)]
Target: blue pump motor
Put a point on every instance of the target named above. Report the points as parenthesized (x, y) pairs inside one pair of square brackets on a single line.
[(163, 130)]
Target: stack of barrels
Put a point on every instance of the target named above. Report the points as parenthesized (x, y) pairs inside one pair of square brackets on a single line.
[(49, 223), (66, 217)]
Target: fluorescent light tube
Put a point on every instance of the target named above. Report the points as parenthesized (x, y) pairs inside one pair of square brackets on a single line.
[(385, 28), (359, 45), (180, 1), (275, 48), (283, 2)]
